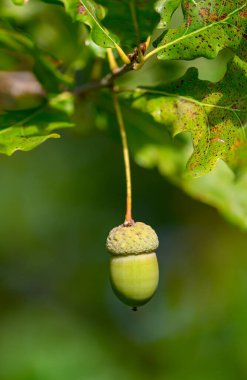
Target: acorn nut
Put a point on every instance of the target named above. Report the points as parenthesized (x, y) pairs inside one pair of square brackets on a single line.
[(134, 271)]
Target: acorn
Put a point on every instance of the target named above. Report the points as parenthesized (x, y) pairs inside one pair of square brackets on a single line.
[(134, 271)]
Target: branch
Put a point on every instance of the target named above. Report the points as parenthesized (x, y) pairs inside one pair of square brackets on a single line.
[(105, 82)]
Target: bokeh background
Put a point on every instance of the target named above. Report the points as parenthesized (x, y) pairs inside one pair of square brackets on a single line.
[(59, 317)]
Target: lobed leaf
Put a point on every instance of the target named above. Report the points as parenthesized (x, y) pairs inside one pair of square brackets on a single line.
[(209, 26), (213, 113), (25, 130)]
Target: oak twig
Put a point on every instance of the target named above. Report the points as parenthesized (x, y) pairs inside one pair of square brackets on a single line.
[(105, 82)]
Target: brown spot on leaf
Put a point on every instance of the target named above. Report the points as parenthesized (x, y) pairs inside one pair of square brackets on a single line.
[(187, 6), (243, 13), (213, 17), (236, 145), (204, 12), (188, 22), (216, 17)]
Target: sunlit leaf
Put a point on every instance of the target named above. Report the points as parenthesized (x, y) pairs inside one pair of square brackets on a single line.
[(209, 26), (214, 114)]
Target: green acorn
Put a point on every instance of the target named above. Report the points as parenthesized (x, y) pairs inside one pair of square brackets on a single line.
[(134, 270)]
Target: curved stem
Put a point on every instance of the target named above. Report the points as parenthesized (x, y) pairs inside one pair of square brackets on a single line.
[(128, 215)]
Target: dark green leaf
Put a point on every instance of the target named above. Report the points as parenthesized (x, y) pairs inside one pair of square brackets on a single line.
[(131, 20)]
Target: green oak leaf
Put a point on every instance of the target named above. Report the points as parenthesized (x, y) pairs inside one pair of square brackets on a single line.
[(214, 114), (11, 140), (25, 130), (209, 26)]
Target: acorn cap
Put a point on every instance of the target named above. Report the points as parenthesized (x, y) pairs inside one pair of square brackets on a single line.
[(132, 240)]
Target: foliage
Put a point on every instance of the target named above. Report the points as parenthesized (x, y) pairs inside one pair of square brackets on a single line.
[(208, 27), (213, 114), (59, 318)]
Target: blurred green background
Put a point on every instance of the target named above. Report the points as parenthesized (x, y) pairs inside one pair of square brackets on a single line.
[(59, 317)]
